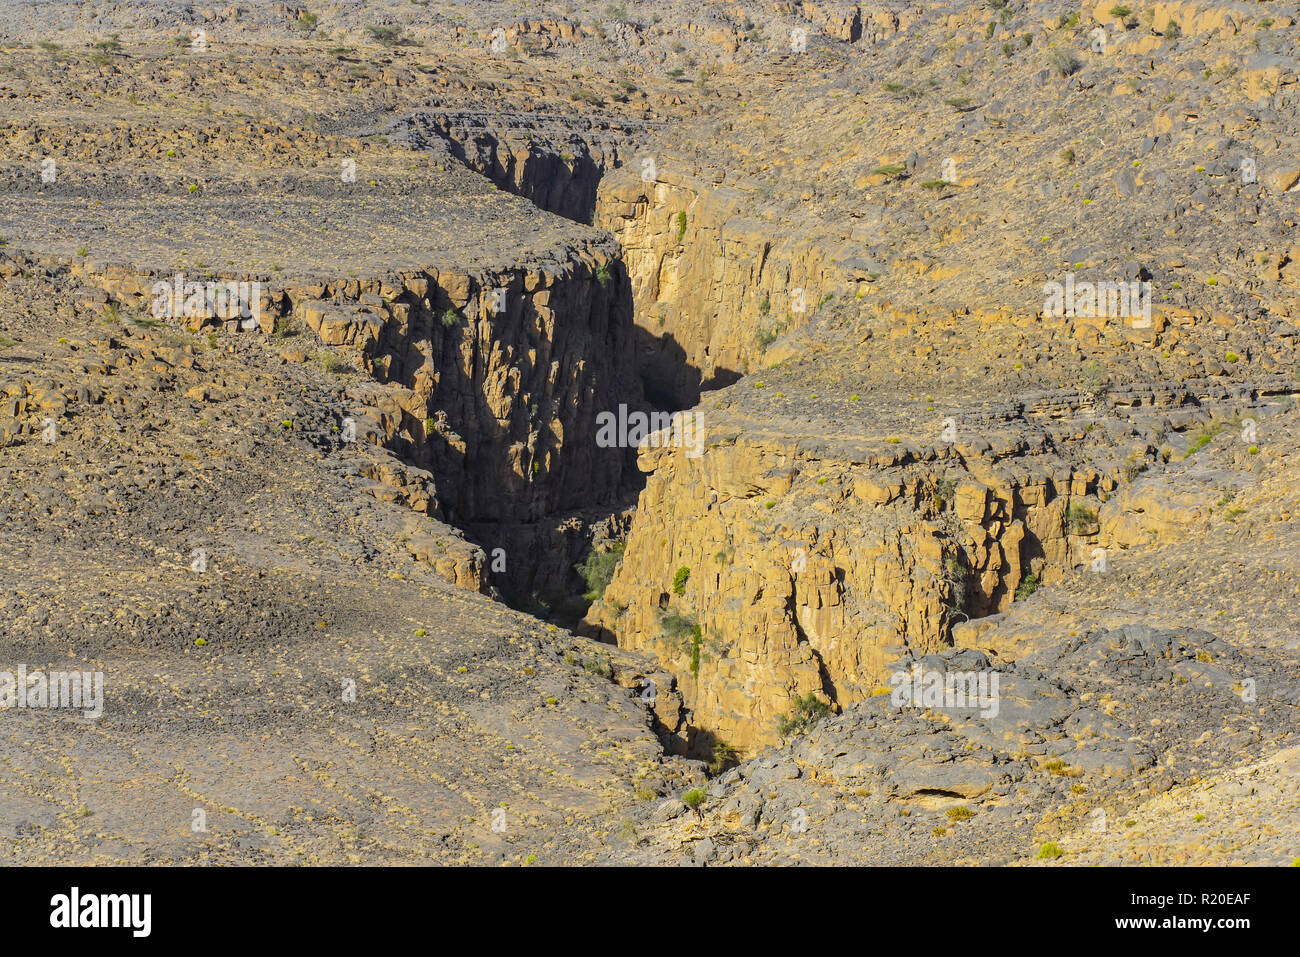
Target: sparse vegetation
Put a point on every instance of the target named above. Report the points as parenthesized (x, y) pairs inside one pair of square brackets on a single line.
[(388, 36), (688, 632), (764, 338), (808, 711), (599, 665), (679, 580), (597, 569), (1093, 378), (724, 757), (694, 798), (1078, 516), (945, 490), (901, 91), (1203, 437), (1063, 61)]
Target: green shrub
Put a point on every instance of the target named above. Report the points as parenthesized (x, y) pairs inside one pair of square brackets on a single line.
[(1049, 851), (808, 711), (1092, 378), (945, 489), (955, 575), (583, 95), (677, 626), (680, 579), (1203, 438), (451, 317), (697, 646), (599, 665), (1028, 585), (901, 90), (597, 569), (1063, 61), (694, 798), (1079, 515), (388, 36), (724, 757), (681, 227)]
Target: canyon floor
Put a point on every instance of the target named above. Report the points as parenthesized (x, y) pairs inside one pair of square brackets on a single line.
[(510, 434)]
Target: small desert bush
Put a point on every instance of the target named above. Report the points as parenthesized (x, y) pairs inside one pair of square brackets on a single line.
[(680, 579), (808, 711), (597, 569)]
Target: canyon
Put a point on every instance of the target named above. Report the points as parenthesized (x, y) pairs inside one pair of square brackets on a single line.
[(828, 248)]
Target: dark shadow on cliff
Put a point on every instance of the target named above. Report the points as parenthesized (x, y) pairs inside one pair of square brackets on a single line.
[(669, 381)]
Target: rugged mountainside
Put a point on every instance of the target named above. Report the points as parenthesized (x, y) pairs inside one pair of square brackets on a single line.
[(854, 243)]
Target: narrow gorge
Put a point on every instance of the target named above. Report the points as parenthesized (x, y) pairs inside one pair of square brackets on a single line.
[(478, 436), (792, 558), (801, 554)]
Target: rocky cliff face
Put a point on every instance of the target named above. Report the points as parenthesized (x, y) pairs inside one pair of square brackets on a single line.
[(810, 564), (485, 386), (555, 161), (712, 287), (789, 560), (500, 405)]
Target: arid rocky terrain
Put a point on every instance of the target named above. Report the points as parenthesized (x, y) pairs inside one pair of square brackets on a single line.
[(326, 333)]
